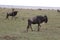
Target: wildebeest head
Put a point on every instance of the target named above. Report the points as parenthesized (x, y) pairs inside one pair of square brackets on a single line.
[(45, 19)]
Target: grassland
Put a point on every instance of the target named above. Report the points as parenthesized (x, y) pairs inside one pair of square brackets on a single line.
[(16, 29)]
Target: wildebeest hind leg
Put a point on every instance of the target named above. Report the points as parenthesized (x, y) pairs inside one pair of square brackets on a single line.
[(39, 27), (31, 28), (27, 28)]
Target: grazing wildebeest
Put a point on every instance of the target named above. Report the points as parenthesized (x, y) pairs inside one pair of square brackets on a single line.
[(13, 14), (37, 20)]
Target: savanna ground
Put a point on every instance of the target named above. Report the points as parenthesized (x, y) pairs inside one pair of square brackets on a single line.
[(16, 29)]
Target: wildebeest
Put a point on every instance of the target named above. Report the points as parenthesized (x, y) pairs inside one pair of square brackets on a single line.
[(37, 20), (13, 14), (58, 10)]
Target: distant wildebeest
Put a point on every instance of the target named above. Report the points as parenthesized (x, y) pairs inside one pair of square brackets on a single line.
[(58, 10), (37, 20), (13, 14), (39, 9)]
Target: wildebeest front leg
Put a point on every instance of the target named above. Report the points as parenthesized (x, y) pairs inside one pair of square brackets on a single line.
[(39, 27)]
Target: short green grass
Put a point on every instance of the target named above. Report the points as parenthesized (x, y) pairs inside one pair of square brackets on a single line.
[(16, 29)]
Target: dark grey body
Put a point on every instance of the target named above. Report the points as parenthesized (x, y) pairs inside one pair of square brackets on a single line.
[(37, 20)]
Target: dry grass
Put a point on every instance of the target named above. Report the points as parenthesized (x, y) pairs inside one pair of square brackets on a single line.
[(15, 29)]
